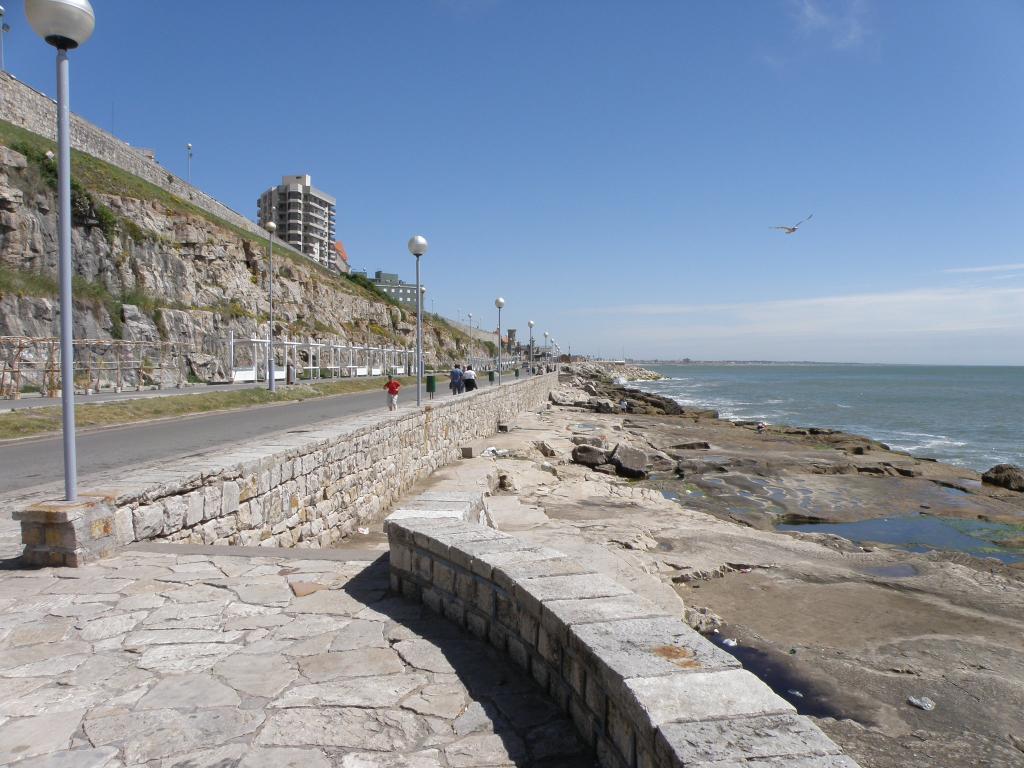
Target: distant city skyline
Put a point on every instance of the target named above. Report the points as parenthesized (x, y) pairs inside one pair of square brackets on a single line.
[(614, 170)]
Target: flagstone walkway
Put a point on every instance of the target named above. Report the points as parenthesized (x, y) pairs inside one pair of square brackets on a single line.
[(209, 660)]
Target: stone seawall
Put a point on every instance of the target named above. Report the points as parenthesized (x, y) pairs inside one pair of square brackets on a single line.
[(34, 111), (643, 689), (307, 488)]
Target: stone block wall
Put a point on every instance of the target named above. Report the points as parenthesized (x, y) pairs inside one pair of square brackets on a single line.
[(34, 111), (644, 690), (309, 488)]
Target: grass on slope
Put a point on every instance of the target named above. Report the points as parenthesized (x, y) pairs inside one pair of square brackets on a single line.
[(99, 176), (37, 421)]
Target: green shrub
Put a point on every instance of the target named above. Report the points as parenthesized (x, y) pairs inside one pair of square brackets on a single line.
[(105, 220)]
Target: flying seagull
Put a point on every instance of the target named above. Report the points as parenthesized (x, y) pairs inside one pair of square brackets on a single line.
[(795, 227)]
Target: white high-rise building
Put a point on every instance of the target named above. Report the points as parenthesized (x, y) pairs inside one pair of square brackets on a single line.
[(304, 215)]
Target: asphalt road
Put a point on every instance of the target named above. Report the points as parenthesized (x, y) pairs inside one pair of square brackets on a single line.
[(33, 462)]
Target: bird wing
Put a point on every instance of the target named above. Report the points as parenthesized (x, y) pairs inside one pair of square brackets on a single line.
[(805, 220), (783, 229)]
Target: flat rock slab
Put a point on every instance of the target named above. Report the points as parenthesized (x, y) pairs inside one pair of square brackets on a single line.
[(197, 661)]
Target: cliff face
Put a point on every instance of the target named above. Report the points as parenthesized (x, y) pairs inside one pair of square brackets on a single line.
[(147, 270)]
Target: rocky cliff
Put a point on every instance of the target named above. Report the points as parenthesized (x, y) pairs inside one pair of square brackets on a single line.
[(148, 266)]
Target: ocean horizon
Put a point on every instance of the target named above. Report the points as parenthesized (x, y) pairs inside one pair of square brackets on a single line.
[(969, 416)]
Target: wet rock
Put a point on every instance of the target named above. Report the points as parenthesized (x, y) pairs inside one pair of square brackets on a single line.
[(657, 461), (1008, 476), (694, 445), (589, 455), (588, 440), (605, 469), (629, 462)]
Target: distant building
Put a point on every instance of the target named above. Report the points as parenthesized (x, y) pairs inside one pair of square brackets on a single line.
[(341, 258), (304, 216), (397, 289)]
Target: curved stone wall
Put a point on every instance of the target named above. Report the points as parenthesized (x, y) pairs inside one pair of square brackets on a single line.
[(643, 689)]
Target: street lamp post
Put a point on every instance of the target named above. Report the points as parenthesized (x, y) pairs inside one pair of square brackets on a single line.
[(499, 303), (189, 148), (417, 247), (3, 28), (547, 349), (531, 345), (64, 24), (271, 227)]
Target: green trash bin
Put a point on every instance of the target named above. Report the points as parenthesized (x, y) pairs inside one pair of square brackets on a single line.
[(517, 373), (490, 376), (431, 384)]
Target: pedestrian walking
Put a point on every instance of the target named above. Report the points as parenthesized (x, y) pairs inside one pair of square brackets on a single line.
[(392, 386), (469, 378), (456, 380)]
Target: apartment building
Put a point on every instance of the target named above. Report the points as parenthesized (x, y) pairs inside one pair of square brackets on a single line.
[(389, 283), (305, 218)]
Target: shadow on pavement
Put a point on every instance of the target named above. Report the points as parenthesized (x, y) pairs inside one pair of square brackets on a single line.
[(505, 701)]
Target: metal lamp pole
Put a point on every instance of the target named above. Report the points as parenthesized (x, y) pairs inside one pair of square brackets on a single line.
[(3, 28), (64, 24), (499, 303), (189, 148), (417, 247), (531, 345), (271, 227)]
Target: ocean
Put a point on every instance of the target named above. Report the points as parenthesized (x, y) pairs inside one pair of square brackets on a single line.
[(964, 415)]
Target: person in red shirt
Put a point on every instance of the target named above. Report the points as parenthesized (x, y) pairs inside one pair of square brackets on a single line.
[(392, 386)]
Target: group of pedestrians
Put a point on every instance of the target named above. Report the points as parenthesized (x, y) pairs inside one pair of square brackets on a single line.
[(462, 380)]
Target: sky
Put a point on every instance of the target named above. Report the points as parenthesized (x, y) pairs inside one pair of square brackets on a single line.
[(613, 169)]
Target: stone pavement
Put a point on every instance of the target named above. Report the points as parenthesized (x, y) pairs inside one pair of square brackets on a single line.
[(202, 660)]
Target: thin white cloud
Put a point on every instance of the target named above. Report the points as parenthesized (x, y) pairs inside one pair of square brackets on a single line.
[(949, 311), (843, 21), (993, 268)]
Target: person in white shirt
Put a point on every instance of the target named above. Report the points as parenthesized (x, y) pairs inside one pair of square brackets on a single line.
[(469, 378)]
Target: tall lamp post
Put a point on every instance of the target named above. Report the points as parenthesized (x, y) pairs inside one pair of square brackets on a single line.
[(64, 24), (417, 247), (499, 303), (271, 227), (531, 345), (189, 148), (3, 28), (547, 349)]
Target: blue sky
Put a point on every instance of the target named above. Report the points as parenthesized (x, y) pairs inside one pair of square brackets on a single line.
[(612, 168)]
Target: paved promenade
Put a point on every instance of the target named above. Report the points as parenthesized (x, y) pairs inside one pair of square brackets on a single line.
[(232, 660)]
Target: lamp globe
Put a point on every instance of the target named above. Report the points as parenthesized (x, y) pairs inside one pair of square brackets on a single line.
[(417, 245), (63, 24)]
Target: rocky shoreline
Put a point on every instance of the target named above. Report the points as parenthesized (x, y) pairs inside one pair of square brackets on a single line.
[(848, 632), (720, 458)]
